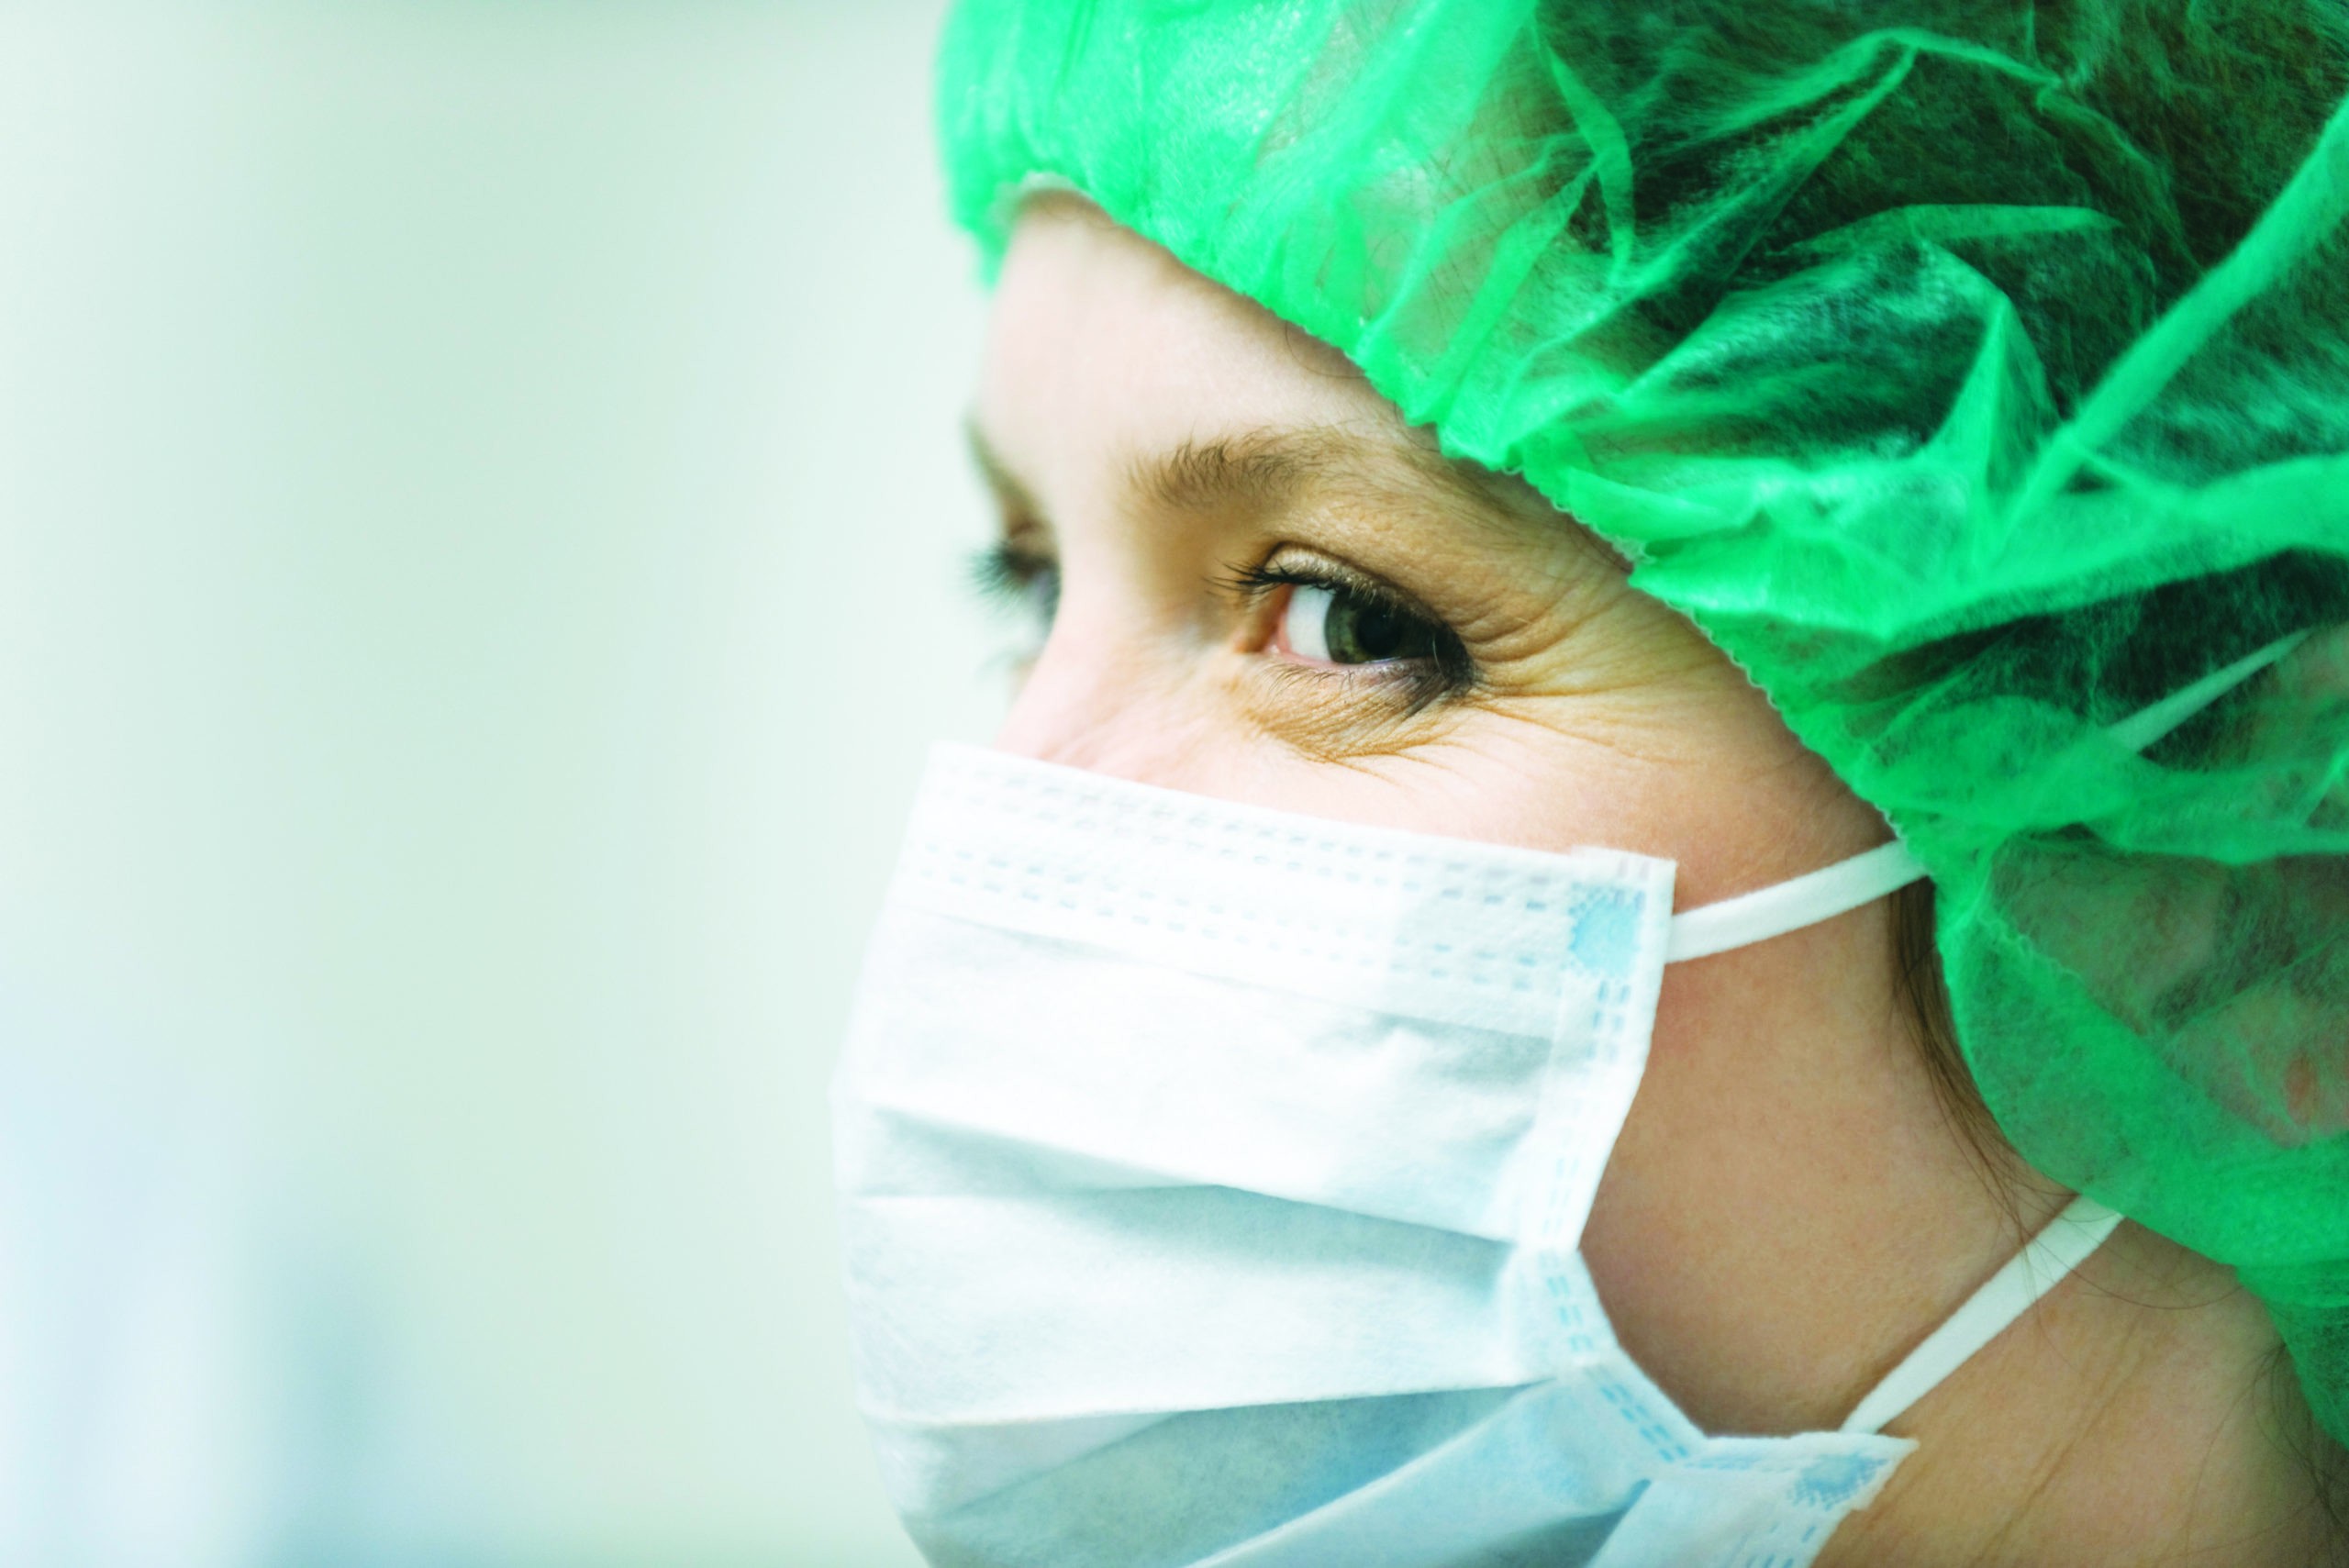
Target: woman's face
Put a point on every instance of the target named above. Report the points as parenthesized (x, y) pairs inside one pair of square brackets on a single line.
[(1257, 582)]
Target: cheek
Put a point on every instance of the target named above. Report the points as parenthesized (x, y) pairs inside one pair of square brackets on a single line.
[(1559, 774), (1534, 782), (1493, 783), (1784, 1125)]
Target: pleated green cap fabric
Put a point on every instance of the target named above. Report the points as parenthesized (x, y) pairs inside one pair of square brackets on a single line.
[(1975, 376)]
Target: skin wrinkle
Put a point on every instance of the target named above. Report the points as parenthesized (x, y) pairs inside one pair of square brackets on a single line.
[(1369, 479), (1364, 478), (1792, 1204)]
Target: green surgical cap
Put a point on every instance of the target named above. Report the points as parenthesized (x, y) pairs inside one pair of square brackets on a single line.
[(1975, 376)]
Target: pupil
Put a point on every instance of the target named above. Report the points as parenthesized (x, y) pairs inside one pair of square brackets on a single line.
[(1366, 632)]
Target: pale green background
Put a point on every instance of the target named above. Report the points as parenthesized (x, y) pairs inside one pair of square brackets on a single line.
[(479, 519)]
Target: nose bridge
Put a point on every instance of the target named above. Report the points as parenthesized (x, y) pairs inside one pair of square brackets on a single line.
[(1067, 704), (1088, 703)]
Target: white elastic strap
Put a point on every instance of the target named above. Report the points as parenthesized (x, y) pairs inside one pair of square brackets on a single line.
[(2030, 1273), (2143, 727), (1790, 905), (1834, 890)]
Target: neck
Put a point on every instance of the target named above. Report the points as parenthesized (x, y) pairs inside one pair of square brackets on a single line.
[(2142, 1410)]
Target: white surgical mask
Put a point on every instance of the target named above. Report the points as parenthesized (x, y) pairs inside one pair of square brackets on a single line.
[(1213, 1181)]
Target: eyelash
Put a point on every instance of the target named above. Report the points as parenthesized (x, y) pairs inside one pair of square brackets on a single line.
[(1014, 576)]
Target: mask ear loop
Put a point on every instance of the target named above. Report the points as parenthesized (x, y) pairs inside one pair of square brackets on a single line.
[(2074, 1235), (2043, 1264), (1838, 889), (1790, 905)]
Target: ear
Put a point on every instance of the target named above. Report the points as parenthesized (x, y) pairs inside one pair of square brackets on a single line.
[(2234, 975)]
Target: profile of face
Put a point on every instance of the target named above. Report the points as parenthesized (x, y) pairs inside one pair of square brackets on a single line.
[(1252, 579)]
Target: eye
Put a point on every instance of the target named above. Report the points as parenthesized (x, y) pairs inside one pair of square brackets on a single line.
[(1014, 574), (1331, 624), (1331, 620)]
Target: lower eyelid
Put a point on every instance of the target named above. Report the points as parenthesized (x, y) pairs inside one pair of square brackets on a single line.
[(1419, 679)]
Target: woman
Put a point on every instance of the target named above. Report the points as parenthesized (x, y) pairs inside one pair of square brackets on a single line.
[(1499, 479)]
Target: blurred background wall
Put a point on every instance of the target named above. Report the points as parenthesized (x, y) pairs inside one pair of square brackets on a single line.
[(481, 514)]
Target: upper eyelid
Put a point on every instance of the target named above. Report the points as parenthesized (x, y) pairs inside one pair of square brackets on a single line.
[(1001, 571), (1270, 574), (1017, 550)]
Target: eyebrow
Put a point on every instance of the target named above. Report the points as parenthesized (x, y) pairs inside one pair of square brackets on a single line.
[(1265, 466), (1261, 466), (1270, 465)]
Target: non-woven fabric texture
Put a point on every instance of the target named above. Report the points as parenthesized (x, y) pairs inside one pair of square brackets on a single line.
[(1212, 1188), (1973, 374)]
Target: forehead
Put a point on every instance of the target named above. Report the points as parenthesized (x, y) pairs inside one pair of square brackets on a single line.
[(1101, 344), (1108, 360)]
